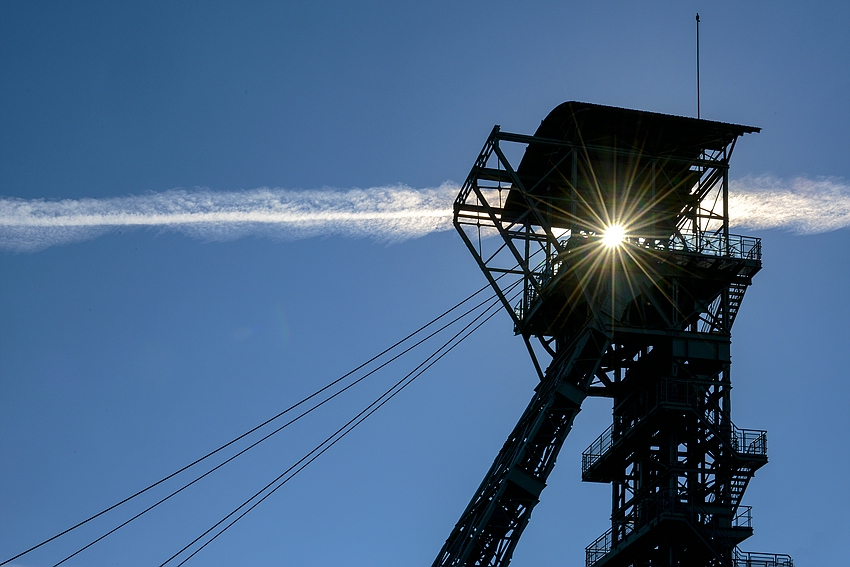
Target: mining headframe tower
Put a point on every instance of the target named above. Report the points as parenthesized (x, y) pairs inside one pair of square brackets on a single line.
[(609, 246)]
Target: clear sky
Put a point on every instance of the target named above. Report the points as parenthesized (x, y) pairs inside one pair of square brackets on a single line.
[(127, 355)]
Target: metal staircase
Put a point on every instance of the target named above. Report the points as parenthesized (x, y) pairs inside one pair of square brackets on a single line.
[(735, 298), (739, 483)]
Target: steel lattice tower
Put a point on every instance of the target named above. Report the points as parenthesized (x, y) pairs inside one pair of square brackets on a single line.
[(643, 319)]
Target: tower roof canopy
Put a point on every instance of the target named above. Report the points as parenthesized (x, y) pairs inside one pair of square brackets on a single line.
[(589, 165), (654, 133)]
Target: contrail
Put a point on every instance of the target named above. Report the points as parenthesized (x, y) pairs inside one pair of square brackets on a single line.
[(393, 213), (800, 205), (385, 213)]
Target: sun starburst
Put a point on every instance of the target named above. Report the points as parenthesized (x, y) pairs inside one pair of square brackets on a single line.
[(614, 235)]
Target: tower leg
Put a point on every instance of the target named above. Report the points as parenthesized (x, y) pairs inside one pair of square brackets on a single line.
[(492, 523)]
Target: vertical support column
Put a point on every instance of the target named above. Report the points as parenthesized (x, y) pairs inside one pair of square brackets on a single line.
[(653, 220), (725, 202), (727, 323), (573, 195)]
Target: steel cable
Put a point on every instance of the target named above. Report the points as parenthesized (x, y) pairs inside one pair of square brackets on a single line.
[(282, 427), (253, 430), (338, 434)]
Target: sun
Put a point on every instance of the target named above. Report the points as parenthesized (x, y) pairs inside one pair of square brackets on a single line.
[(614, 235)]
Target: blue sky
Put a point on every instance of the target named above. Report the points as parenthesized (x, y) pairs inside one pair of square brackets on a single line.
[(126, 355)]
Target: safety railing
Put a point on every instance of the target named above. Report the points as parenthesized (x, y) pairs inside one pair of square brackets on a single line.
[(709, 244), (597, 449), (749, 442), (670, 502), (744, 517), (733, 246), (754, 559), (599, 548)]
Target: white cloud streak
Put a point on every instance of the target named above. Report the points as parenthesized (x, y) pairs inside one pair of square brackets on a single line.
[(383, 213), (800, 205), (393, 213)]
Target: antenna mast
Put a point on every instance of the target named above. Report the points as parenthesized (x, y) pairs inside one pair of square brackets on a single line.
[(698, 114)]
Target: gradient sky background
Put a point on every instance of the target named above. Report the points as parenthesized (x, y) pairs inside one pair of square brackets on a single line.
[(124, 357)]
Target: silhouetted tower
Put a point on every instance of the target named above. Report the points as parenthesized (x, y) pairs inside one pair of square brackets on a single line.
[(609, 246)]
